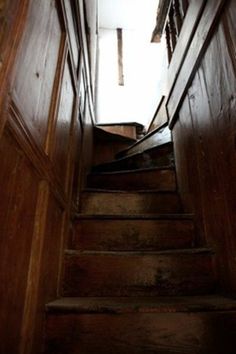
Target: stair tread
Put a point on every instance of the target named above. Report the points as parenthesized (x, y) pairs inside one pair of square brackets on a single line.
[(138, 170), (130, 157), (135, 124), (162, 136), (184, 251), (113, 136), (126, 191), (120, 155), (138, 216), (205, 303)]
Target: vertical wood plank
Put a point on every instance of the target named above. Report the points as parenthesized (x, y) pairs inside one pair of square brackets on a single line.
[(17, 218)]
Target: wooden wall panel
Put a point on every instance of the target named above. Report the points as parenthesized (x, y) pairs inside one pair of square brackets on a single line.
[(18, 195), (50, 265), (204, 138), (186, 162), (230, 14), (37, 60), (213, 202), (41, 134), (60, 156), (194, 55), (8, 11), (12, 14)]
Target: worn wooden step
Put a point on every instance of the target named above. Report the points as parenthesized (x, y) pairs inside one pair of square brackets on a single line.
[(128, 130), (117, 202), (105, 135), (115, 233), (154, 178), (175, 272), (149, 141), (188, 325), (107, 145), (157, 157)]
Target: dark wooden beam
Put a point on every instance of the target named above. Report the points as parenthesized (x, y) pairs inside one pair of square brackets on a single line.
[(120, 56)]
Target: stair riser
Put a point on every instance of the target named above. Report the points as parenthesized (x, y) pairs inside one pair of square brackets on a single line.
[(152, 158), (122, 130), (152, 141), (105, 235), (129, 203), (137, 275), (104, 151), (165, 333), (163, 180)]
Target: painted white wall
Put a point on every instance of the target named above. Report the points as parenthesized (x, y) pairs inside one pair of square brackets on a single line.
[(128, 14), (145, 65)]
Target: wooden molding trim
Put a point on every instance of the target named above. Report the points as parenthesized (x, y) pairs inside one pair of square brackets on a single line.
[(56, 95), (28, 326), (34, 152), (204, 31)]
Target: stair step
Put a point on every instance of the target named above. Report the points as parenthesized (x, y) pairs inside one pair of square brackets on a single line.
[(103, 134), (153, 178), (159, 304), (152, 140), (136, 216), (173, 272), (132, 234), (118, 202), (185, 325), (128, 130), (107, 145), (156, 157)]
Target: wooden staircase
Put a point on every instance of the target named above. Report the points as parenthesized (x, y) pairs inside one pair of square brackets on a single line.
[(136, 280)]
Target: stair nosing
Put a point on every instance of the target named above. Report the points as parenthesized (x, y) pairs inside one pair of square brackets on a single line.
[(138, 170), (146, 136), (127, 191), (121, 156), (184, 251), (136, 216), (165, 304), (135, 124)]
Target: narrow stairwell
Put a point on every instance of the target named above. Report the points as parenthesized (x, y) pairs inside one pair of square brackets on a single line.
[(136, 280)]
